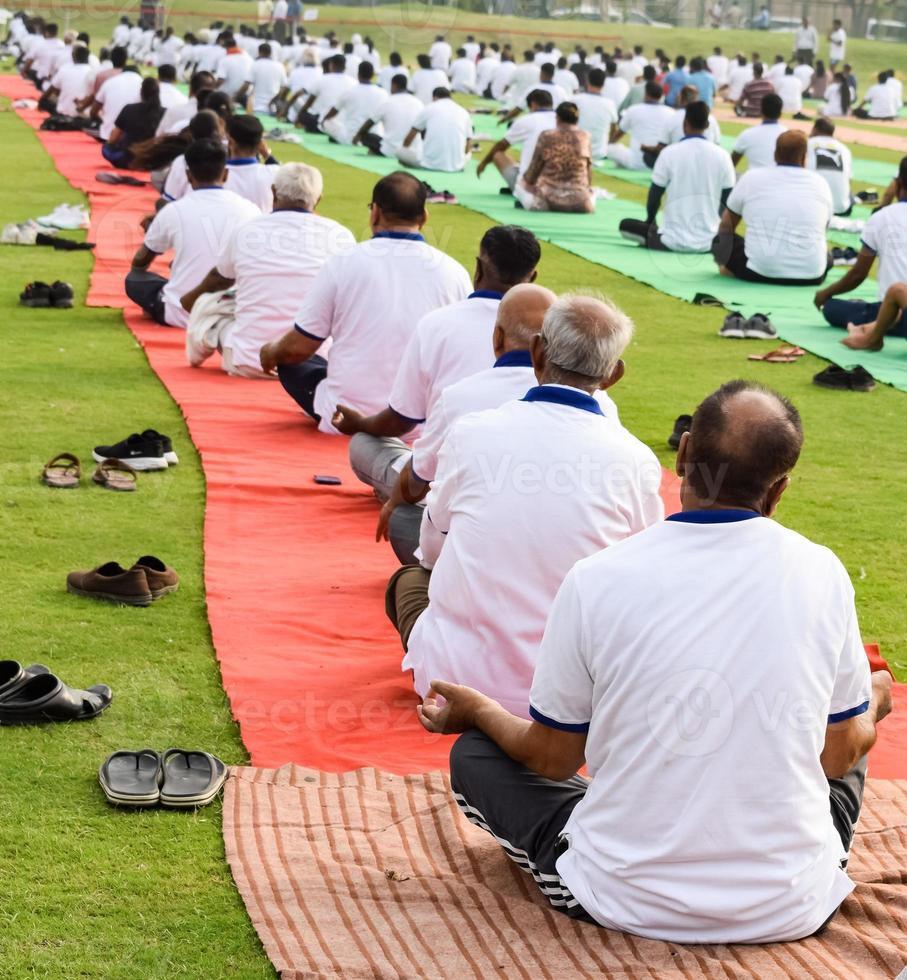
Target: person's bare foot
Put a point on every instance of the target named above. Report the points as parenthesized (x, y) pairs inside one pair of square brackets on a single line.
[(861, 340), (861, 328)]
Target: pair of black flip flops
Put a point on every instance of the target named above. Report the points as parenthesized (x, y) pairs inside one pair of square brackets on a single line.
[(33, 695), (178, 778)]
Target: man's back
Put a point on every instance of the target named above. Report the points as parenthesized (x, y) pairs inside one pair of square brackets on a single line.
[(369, 301), (523, 492), (596, 115), (832, 161), (754, 91), (757, 144), (706, 700), (116, 93), (446, 127)]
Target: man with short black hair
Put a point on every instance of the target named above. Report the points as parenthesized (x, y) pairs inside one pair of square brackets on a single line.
[(646, 124), (643, 639), (597, 114), (426, 79), (758, 143), (445, 129), (447, 344), (324, 93), (195, 227), (881, 100), (753, 94), (267, 79), (246, 174), (698, 176), (786, 209), (234, 70), (368, 300), (71, 83), (832, 161), (177, 118), (171, 96), (396, 116), (358, 104), (524, 133)]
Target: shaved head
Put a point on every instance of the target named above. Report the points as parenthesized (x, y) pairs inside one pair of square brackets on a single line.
[(791, 148), (520, 316), (744, 439)]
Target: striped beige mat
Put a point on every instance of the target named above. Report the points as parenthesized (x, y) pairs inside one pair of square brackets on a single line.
[(370, 875)]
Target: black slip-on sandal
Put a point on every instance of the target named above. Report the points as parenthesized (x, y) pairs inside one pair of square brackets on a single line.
[(132, 778), (44, 697), (13, 675), (191, 779)]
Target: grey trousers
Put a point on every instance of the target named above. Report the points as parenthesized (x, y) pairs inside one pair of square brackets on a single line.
[(526, 813), (377, 462)]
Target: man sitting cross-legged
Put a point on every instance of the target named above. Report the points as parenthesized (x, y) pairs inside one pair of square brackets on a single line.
[(884, 239), (889, 319), (447, 344), (698, 176), (395, 116), (522, 492), (523, 133), (272, 261), (368, 300), (787, 209), (445, 130), (195, 227), (724, 727)]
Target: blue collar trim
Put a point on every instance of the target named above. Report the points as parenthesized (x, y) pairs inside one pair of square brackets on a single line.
[(485, 294), (241, 161), (210, 187), (297, 210), (730, 515), (514, 358), (693, 136), (406, 236), (557, 395)]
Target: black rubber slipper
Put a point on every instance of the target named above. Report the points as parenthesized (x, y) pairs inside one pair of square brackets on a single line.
[(44, 697), (132, 778), (13, 675), (191, 779)]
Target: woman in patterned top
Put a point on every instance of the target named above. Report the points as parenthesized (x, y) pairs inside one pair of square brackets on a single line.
[(559, 176)]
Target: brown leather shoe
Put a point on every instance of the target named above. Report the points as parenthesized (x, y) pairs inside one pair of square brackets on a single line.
[(112, 583), (161, 578)]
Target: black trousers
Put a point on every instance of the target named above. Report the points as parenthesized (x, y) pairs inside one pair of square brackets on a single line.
[(145, 289), (644, 233), (527, 813), (308, 122), (372, 142), (730, 251), (301, 380)]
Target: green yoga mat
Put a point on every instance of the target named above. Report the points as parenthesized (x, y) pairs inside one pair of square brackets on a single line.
[(596, 238)]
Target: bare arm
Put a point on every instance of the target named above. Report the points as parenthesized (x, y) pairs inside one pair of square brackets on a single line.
[(214, 282), (408, 489), (729, 221), (116, 134), (536, 164), (143, 258), (410, 136), (846, 742), (736, 158), (550, 752), (292, 348), (850, 280), (329, 114), (363, 129), (502, 146), (386, 423)]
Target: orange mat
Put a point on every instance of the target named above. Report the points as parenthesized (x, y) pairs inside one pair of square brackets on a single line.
[(294, 581)]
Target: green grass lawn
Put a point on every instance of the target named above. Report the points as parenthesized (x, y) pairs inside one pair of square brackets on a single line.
[(93, 892)]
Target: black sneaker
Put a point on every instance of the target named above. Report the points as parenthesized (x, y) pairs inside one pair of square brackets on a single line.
[(166, 445), (682, 425), (61, 295), (141, 452), (35, 294), (859, 379), (867, 197)]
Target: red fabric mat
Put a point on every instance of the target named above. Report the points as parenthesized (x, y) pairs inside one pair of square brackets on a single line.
[(294, 580)]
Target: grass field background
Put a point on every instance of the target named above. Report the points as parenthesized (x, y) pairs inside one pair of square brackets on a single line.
[(92, 892)]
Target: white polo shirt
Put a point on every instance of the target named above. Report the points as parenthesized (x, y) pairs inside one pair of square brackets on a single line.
[(440, 53), (885, 234), (274, 260), (448, 344), (445, 128), (882, 101), (675, 131), (268, 78), (521, 492), (502, 78), (116, 92), (177, 117), (645, 123), (616, 89), (234, 70), (832, 161), (837, 43), (369, 301), (524, 133), (73, 82), (45, 54), (757, 144), (706, 703), (508, 379), (171, 97), (463, 75), (695, 173), (358, 103), (596, 115), (787, 210), (386, 75), (790, 90), (397, 115), (327, 90), (252, 180), (425, 81), (738, 75), (195, 227)]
